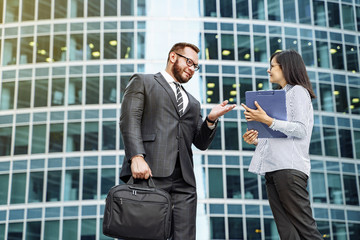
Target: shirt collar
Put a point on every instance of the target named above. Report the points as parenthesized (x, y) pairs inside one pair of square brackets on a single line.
[(167, 77)]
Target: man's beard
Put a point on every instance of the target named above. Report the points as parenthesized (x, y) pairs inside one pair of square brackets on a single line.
[(176, 71)]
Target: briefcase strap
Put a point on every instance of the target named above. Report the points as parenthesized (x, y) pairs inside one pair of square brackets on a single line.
[(149, 181)]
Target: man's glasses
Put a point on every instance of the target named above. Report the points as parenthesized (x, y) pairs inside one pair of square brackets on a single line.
[(190, 62)]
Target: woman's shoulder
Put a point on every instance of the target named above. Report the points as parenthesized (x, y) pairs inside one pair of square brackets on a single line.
[(300, 90)]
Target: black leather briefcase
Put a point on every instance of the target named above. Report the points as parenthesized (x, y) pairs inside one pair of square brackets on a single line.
[(135, 211)]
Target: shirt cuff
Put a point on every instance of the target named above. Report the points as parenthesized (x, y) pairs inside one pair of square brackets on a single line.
[(272, 124), (212, 127)]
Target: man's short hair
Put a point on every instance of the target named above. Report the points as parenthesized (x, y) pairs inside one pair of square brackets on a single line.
[(181, 46)]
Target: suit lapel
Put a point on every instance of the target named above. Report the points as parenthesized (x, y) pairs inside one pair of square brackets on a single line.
[(162, 81)]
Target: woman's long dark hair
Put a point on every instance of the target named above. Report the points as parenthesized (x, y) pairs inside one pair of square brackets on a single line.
[(294, 69)]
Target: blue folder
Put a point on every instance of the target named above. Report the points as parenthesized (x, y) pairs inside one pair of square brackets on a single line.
[(273, 102)]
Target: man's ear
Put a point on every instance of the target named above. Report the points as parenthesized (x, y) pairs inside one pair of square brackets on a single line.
[(172, 57)]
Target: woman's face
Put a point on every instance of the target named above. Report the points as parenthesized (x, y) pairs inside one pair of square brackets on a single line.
[(276, 73)]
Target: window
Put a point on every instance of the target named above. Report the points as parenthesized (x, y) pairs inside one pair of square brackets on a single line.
[(334, 15), (15, 231), (61, 8), (94, 7), (56, 137), (73, 141), (210, 8), (107, 181), (93, 46), (212, 90), (211, 46), (92, 90), (253, 228), (289, 11), (270, 229), (242, 9), (88, 229), (89, 184), (274, 10), (334, 188), (24, 94), (71, 188), (9, 54), (109, 89), (41, 93), (291, 43), (229, 89), (127, 45), (70, 229), (322, 52), (345, 141), (36, 187), (318, 187), (45, 6), (18, 188), (4, 184), (76, 47), (351, 193), (217, 228), (244, 51), (275, 44), (109, 135), (250, 185), (58, 92), (304, 11), (326, 97), (307, 52), (51, 230), (258, 9), (110, 8), (330, 142), (53, 186), (260, 49), (21, 140), (7, 95), (233, 183), (77, 8), (12, 11), (337, 56), (75, 91), (127, 7), (354, 100), (351, 59), (43, 49), (26, 50), (91, 136), (38, 139), (315, 143), (59, 49), (341, 99), (348, 17), (215, 183), (226, 9), (319, 13), (231, 136), (110, 45)]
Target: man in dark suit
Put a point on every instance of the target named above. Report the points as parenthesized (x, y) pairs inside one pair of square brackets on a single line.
[(159, 122)]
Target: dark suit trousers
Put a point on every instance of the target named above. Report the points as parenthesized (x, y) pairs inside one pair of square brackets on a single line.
[(184, 200), (290, 204)]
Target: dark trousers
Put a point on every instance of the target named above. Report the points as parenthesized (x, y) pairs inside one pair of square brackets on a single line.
[(290, 204), (184, 199)]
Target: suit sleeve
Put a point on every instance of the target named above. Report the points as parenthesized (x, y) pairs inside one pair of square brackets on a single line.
[(204, 135), (131, 116)]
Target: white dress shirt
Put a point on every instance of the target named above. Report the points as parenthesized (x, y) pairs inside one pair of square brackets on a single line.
[(273, 154), (171, 81)]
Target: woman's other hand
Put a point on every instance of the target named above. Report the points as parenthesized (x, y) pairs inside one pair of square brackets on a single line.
[(251, 137)]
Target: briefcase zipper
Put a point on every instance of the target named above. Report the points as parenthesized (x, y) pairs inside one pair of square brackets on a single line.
[(122, 200)]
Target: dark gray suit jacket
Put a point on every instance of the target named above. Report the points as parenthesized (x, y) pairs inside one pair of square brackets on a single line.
[(151, 125)]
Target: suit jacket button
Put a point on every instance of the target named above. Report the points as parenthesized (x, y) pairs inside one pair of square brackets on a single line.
[(177, 137)]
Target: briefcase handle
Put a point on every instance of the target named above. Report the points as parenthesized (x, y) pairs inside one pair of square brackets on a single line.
[(149, 181)]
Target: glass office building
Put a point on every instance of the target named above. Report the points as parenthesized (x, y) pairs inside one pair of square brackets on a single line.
[(64, 67)]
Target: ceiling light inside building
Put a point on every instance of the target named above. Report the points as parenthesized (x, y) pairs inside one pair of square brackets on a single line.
[(355, 100), (209, 93), (260, 85), (247, 56), (333, 51), (232, 93), (42, 51), (113, 43), (336, 93), (91, 45), (211, 85), (95, 54), (226, 52)]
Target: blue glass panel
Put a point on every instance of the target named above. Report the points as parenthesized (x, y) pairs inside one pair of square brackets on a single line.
[(247, 161), (73, 162), (216, 208), (6, 119), (212, 69), (34, 213), (259, 28), (328, 120), (227, 26), (92, 69), (348, 167), (275, 29), (74, 115), (22, 118), (317, 165), (245, 70), (321, 213), (109, 113), (70, 211), (335, 37), (261, 71), (344, 122), (4, 166), (290, 31), (234, 209), (228, 69), (40, 117), (88, 210), (9, 74), (210, 26), (127, 68), (90, 161), (42, 72), (337, 214), (54, 162), (20, 165), (108, 160), (37, 163), (91, 114), (16, 214), (76, 70), (2, 215), (332, 166), (339, 78), (353, 215), (321, 35), (243, 28), (356, 123), (57, 116), (306, 33), (52, 212), (350, 38), (232, 160), (110, 68), (267, 211), (127, 25), (252, 209), (217, 160), (59, 71), (25, 73)]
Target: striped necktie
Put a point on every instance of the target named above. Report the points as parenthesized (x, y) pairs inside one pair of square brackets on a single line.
[(179, 99)]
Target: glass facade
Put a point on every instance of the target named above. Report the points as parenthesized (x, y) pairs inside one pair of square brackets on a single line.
[(64, 67)]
